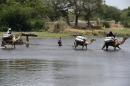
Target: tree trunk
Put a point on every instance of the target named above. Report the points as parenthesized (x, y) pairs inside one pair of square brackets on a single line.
[(76, 19), (89, 24), (67, 20)]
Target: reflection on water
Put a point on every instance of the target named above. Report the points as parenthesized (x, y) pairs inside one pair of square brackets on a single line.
[(32, 72)]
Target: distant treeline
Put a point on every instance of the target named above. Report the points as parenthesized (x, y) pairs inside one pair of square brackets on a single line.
[(32, 15)]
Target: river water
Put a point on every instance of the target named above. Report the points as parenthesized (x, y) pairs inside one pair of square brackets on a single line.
[(46, 64)]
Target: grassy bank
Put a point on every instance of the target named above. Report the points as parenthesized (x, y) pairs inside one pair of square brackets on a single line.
[(52, 35), (45, 34), (123, 32), (70, 32), (101, 32)]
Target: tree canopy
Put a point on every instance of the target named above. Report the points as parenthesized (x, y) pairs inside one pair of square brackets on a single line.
[(28, 15)]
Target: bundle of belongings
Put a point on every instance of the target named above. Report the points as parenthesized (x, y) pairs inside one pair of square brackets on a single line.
[(7, 35), (80, 38), (109, 39)]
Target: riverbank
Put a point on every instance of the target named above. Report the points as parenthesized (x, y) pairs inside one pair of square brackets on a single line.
[(45, 34), (70, 32)]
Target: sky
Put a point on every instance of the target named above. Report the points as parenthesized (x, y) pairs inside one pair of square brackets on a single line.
[(121, 4)]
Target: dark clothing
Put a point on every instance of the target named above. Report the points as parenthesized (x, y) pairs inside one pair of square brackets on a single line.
[(7, 38), (59, 42), (110, 34)]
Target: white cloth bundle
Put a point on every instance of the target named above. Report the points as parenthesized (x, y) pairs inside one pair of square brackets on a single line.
[(108, 39), (80, 38), (6, 35)]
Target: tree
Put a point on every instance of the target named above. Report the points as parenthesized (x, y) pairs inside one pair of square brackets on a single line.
[(39, 10), (125, 17), (63, 8), (110, 13), (76, 6), (52, 12), (57, 9), (90, 7), (16, 17), (22, 15), (3, 1)]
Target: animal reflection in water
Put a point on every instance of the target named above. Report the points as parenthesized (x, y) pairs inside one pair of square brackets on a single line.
[(116, 43), (17, 40), (83, 43)]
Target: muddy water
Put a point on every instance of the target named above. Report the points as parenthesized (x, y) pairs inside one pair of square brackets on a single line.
[(46, 64)]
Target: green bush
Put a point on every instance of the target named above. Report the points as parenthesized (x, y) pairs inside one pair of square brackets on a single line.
[(16, 18), (4, 28), (39, 24), (126, 23), (106, 25)]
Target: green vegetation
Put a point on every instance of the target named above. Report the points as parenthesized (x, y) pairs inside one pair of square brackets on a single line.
[(123, 32), (70, 32), (16, 17), (47, 34), (110, 13), (52, 35), (22, 15), (106, 25), (125, 17), (55, 16)]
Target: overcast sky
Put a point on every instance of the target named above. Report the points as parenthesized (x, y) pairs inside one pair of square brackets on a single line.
[(121, 4)]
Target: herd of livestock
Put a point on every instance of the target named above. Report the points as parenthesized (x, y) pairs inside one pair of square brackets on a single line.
[(110, 40)]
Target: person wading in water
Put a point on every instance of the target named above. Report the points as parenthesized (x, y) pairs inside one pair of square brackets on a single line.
[(60, 42)]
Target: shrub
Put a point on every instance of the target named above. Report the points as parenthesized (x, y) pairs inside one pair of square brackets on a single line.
[(126, 23), (39, 25), (16, 18), (106, 25), (59, 26), (3, 28)]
